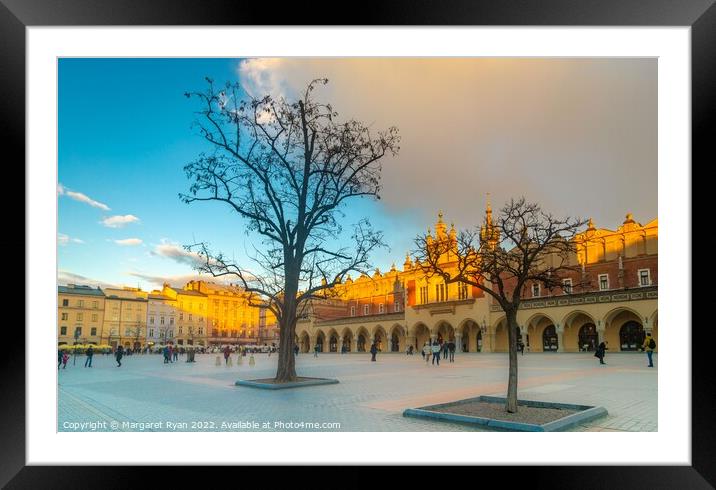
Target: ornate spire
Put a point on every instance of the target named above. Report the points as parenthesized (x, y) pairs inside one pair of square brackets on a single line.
[(488, 232), (408, 264), (440, 227), (590, 225)]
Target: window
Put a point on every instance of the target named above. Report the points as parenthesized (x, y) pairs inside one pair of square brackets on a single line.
[(396, 306), (201, 330), (181, 316), (94, 317), (567, 286), (180, 330), (644, 277), (79, 317), (78, 331), (189, 316), (151, 320), (151, 332), (161, 320), (381, 308), (64, 316), (424, 295), (535, 290), (353, 311), (462, 291), (440, 291), (65, 302), (603, 282), (63, 330), (93, 331), (81, 303), (94, 304), (171, 320), (366, 309)]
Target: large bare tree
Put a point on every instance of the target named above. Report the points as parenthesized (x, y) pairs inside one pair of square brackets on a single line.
[(523, 245), (288, 168)]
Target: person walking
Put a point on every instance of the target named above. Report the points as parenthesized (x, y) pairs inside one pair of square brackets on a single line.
[(315, 350), (436, 352), (59, 358), (445, 349), (451, 350), (521, 347), (227, 353), (295, 349), (649, 346), (118, 355), (373, 351), (601, 350), (165, 351), (89, 353), (427, 350), (65, 358), (175, 353)]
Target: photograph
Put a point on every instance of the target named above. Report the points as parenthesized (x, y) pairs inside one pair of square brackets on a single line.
[(357, 244)]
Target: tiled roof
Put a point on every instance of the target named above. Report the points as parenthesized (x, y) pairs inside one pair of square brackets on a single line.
[(78, 289)]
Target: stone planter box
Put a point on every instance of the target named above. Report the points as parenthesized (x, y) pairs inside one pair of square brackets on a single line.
[(268, 385), (584, 413)]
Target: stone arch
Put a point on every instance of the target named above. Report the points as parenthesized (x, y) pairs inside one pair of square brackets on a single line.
[(501, 338), (304, 342), (536, 326), (444, 331), (576, 336), (396, 338), (362, 339), (321, 341), (333, 340), (470, 336), (380, 338), (421, 333), (619, 338), (347, 335)]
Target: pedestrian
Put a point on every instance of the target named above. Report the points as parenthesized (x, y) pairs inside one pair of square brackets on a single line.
[(295, 349), (427, 350), (445, 350), (601, 350), (59, 358), (175, 352), (118, 355), (649, 346), (65, 358), (165, 351), (89, 354), (521, 347), (436, 352), (373, 351), (451, 350), (227, 353), (315, 350)]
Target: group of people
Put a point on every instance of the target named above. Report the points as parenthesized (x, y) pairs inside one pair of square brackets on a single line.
[(446, 350)]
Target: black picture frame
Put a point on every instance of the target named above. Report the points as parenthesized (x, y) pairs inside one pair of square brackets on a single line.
[(16, 15)]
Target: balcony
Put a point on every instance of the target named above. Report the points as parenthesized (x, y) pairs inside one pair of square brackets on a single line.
[(440, 307), (592, 297)]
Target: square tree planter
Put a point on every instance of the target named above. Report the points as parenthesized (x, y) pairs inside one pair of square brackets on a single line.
[(268, 383), (465, 411)]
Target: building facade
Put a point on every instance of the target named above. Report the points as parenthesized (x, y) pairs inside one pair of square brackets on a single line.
[(612, 297), (80, 314), (125, 319)]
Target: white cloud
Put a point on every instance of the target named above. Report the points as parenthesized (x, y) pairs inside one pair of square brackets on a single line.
[(78, 196), (63, 239), (177, 253), (65, 277), (119, 221), (178, 281), (129, 242)]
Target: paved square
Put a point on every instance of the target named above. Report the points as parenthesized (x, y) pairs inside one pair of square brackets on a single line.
[(371, 396)]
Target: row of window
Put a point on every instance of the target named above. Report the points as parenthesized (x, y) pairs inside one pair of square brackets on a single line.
[(441, 293), (78, 331), (80, 303), (381, 308), (603, 281), (170, 333), (79, 317)]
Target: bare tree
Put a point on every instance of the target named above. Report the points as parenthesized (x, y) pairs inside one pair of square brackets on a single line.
[(288, 169), (523, 246)]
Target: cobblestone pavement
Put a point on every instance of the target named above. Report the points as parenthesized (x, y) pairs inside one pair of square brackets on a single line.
[(371, 396)]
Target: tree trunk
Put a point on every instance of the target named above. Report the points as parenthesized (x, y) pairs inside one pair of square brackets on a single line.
[(511, 402), (286, 371)]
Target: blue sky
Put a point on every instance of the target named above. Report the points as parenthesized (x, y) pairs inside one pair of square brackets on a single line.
[(561, 132), (124, 137)]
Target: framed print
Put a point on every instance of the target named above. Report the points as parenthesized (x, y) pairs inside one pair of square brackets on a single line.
[(408, 241)]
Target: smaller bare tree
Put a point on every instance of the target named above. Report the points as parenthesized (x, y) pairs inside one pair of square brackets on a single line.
[(524, 245)]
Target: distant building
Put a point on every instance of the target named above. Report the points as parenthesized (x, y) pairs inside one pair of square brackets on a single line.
[(80, 314), (125, 319)]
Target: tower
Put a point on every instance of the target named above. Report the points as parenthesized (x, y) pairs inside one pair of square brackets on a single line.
[(489, 233)]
